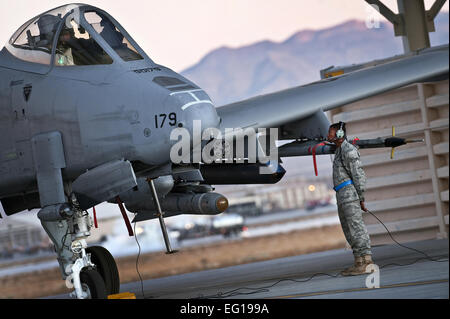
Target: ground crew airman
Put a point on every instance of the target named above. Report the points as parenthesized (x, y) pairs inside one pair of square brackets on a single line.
[(349, 183)]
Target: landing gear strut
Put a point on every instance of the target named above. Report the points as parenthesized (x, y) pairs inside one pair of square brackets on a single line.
[(92, 271)]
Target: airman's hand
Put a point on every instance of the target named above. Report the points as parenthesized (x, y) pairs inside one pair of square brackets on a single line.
[(363, 207)]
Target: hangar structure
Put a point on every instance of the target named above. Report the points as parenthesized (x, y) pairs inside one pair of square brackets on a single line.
[(409, 192)]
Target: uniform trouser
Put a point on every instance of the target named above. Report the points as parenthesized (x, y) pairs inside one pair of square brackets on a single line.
[(354, 228)]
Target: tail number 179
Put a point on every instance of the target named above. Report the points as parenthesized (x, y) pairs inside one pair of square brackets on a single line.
[(164, 119)]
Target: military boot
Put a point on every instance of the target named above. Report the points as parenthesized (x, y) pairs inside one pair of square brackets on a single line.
[(360, 266)]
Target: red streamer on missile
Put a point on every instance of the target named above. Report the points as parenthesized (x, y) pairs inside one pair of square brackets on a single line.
[(314, 157)]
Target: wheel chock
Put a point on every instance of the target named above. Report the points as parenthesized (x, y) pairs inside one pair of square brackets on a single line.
[(123, 295)]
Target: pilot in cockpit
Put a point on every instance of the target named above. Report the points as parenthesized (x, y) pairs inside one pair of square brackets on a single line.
[(64, 54), (77, 50)]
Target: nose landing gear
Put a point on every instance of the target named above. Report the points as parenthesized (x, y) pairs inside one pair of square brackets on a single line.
[(92, 271)]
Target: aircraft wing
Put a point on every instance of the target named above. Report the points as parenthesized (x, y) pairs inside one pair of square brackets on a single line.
[(275, 109)]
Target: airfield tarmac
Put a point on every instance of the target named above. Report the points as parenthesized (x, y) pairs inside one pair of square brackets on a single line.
[(423, 279)]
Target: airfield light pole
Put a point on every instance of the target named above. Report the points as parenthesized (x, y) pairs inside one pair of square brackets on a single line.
[(413, 23)]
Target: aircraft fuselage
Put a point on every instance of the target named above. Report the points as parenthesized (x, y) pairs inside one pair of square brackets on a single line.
[(103, 113)]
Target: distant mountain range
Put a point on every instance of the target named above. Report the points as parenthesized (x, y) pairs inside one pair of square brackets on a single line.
[(232, 74)]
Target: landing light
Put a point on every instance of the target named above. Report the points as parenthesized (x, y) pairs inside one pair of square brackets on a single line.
[(76, 247)]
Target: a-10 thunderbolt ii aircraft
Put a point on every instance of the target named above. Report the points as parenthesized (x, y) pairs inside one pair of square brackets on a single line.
[(86, 117)]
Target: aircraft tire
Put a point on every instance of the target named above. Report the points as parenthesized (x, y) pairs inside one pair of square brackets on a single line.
[(106, 267), (94, 282)]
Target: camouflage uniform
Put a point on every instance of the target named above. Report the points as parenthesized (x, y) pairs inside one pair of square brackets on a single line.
[(347, 165)]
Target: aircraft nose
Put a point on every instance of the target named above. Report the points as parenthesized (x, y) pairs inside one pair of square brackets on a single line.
[(202, 116), (198, 111)]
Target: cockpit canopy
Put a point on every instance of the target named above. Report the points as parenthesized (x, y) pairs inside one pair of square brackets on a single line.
[(74, 35)]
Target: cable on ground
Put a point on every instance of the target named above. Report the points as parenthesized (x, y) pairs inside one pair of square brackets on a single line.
[(251, 290)]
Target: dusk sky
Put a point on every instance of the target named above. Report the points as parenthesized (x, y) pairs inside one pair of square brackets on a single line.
[(179, 33)]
